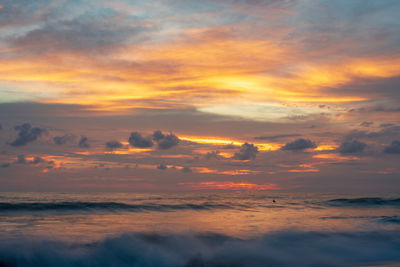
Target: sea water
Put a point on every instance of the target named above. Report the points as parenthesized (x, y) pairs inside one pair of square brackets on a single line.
[(199, 229)]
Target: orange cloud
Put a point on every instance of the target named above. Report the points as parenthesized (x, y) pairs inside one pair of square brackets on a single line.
[(304, 170), (226, 172), (335, 157), (221, 141), (231, 186), (194, 65)]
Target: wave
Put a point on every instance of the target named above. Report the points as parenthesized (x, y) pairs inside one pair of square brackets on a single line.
[(105, 206), (363, 202), (389, 219), (379, 219), (200, 250)]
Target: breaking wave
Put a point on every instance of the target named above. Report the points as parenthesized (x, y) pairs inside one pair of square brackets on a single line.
[(389, 219), (360, 202), (105, 206), (200, 250)]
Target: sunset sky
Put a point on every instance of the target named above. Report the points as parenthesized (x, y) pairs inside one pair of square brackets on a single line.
[(173, 95)]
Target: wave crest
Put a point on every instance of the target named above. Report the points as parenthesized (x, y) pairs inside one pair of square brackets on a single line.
[(366, 201), (106, 206), (199, 250)]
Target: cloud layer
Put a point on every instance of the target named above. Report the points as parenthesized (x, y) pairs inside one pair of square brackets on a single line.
[(299, 144), (27, 134)]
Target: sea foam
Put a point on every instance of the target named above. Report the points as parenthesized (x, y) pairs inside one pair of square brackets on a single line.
[(284, 248)]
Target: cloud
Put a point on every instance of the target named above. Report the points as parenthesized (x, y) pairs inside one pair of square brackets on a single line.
[(299, 144), (366, 123), (230, 146), (387, 131), (213, 155), (83, 143), (168, 141), (20, 13), (158, 135), (21, 159), (388, 87), (1, 126), (162, 167), (26, 134), (37, 160), (247, 151), (165, 141), (5, 165), (352, 147), (393, 148), (272, 137), (113, 145), (136, 140), (63, 139), (86, 33), (186, 169)]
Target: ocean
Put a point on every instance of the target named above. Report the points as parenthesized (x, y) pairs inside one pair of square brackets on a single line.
[(199, 229)]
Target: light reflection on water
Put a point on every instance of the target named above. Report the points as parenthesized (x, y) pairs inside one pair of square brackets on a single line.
[(236, 214)]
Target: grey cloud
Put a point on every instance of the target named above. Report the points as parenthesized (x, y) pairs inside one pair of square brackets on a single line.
[(352, 147), (63, 139), (84, 142), (165, 141), (26, 134), (366, 123), (18, 13), (361, 134), (272, 137), (169, 141), (113, 145), (299, 144), (1, 126), (247, 151), (162, 167), (393, 148), (379, 109), (136, 140), (179, 119), (5, 165), (213, 155), (384, 109), (384, 125), (17, 110), (186, 169), (158, 135), (37, 160), (387, 88), (297, 117), (87, 33), (21, 159), (386, 132), (230, 146)]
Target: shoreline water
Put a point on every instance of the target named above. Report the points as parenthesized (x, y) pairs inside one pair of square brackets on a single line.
[(205, 229), (284, 248)]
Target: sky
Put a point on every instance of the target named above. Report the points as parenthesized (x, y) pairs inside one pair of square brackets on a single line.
[(173, 95)]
